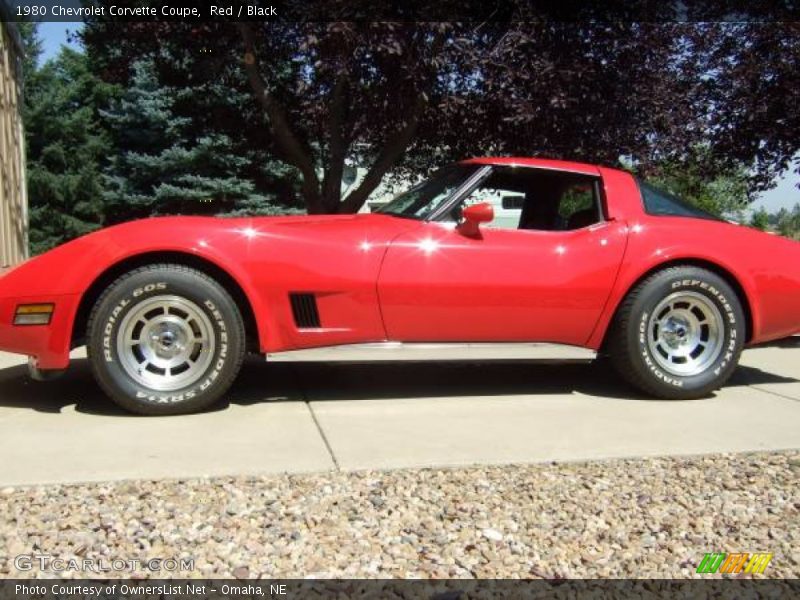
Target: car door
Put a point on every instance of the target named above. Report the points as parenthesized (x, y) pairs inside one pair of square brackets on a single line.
[(508, 285)]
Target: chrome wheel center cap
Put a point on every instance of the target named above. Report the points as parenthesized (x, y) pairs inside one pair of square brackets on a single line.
[(166, 340), (675, 333)]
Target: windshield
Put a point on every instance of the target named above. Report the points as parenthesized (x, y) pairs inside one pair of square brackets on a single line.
[(424, 198)]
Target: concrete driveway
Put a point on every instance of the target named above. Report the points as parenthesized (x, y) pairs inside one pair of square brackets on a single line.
[(312, 417)]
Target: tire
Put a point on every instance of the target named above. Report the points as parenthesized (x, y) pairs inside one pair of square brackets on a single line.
[(164, 340), (679, 334)]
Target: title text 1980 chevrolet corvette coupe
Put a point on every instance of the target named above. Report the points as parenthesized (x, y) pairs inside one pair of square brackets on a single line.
[(584, 261)]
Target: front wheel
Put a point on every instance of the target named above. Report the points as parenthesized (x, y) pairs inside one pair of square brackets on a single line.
[(678, 334), (165, 339)]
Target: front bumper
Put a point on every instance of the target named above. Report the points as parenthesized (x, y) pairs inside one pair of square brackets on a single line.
[(47, 345)]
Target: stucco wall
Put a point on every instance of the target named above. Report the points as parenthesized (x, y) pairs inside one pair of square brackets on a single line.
[(13, 197)]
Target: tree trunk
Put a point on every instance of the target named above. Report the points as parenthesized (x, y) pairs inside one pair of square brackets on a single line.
[(389, 155), (326, 197), (288, 145), (337, 147)]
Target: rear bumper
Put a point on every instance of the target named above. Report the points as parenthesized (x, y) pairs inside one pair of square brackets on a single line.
[(48, 345)]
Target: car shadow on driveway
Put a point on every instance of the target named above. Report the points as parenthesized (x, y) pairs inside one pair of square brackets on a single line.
[(331, 382), (788, 343), (286, 382), (77, 387)]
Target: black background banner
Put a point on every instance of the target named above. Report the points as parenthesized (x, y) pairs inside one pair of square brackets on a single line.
[(403, 10), (232, 589)]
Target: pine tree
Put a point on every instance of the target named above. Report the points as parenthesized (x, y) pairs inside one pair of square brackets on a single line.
[(165, 165), (66, 148), (29, 32)]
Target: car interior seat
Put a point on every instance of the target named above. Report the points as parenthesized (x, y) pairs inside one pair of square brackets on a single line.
[(540, 210), (582, 218)]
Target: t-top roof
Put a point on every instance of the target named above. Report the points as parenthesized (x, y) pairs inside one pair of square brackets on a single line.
[(541, 163)]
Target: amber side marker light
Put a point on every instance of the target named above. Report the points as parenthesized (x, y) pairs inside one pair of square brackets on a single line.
[(33, 314)]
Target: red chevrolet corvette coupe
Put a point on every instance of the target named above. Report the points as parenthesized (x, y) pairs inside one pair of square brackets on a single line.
[(489, 259)]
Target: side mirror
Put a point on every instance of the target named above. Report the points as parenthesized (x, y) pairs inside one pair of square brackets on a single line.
[(473, 216)]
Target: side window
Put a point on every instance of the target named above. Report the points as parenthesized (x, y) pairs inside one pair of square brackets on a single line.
[(578, 207), (663, 204), (507, 205), (535, 199)]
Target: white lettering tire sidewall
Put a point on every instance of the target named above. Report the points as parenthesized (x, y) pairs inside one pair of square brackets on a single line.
[(207, 296), (733, 326)]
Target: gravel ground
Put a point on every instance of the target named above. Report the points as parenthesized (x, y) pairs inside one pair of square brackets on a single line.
[(621, 518)]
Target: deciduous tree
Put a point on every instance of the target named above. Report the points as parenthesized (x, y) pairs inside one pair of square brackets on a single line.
[(409, 95)]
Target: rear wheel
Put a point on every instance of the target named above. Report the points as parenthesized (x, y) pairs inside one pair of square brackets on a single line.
[(678, 334), (165, 339)]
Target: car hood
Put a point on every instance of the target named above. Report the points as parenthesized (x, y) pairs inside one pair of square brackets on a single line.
[(230, 243)]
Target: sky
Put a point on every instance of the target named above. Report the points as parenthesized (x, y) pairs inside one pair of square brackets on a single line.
[(784, 195), (53, 36)]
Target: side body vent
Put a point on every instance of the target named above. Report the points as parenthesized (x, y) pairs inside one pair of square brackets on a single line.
[(304, 309)]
